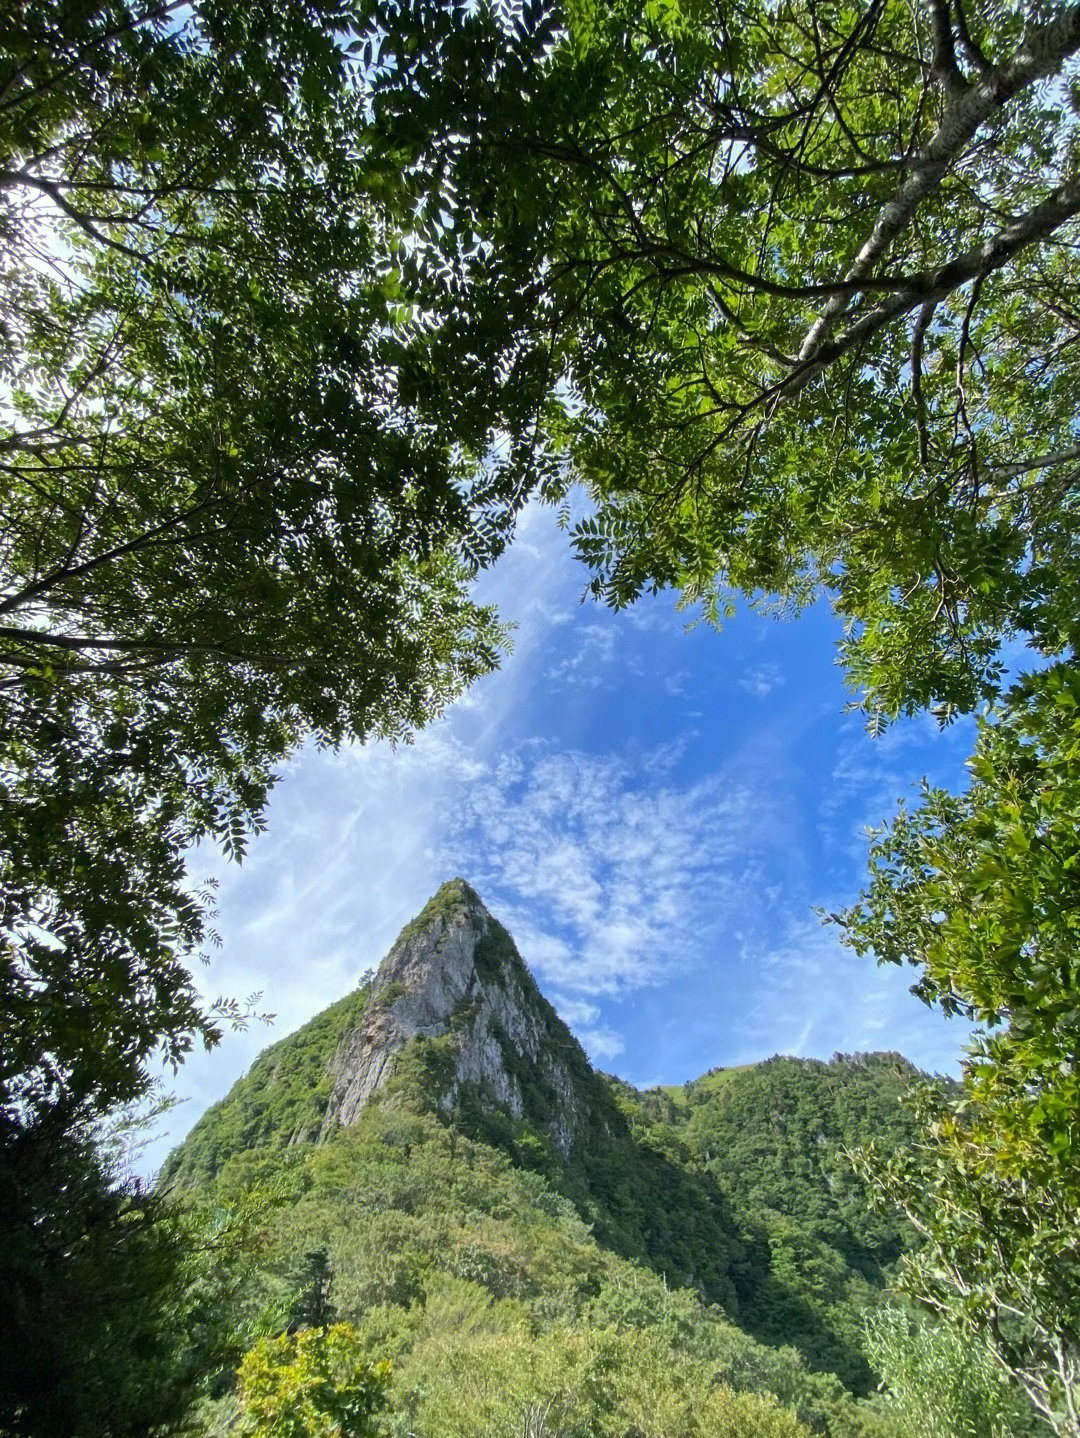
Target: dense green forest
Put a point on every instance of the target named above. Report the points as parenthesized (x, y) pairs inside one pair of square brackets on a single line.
[(706, 1248), (300, 304), (740, 1193)]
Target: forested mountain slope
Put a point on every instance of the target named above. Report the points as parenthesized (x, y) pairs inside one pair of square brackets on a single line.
[(454, 1008), (773, 1137), (446, 1171)]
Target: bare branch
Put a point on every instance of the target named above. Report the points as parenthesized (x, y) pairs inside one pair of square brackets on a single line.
[(973, 52), (1044, 461), (944, 66)]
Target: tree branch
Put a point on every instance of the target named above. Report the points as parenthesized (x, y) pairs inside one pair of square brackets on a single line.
[(944, 66), (936, 285), (169, 648), (926, 314), (1025, 466), (973, 52), (61, 575), (1042, 53)]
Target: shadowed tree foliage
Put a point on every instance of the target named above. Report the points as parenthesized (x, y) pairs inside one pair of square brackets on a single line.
[(259, 423), (115, 1306)]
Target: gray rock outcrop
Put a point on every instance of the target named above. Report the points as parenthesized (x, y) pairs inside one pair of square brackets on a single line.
[(455, 974)]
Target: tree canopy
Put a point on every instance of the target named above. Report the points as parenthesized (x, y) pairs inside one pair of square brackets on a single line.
[(980, 891), (115, 1305), (299, 303), (808, 274), (259, 425)]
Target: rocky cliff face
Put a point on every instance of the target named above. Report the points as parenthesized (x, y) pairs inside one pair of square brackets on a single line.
[(452, 1020), (455, 977)]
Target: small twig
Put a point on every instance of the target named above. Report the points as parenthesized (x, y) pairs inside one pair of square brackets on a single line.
[(926, 314)]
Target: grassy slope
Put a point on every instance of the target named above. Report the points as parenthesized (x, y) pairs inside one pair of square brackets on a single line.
[(685, 1095)]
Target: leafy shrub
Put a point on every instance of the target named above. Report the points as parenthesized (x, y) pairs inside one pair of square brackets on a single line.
[(940, 1384), (313, 1384)]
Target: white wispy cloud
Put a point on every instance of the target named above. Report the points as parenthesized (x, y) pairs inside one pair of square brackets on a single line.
[(871, 777), (589, 652), (576, 1012), (760, 680), (819, 998), (609, 880), (602, 1044)]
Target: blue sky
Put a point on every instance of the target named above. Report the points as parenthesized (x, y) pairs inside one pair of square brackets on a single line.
[(653, 813)]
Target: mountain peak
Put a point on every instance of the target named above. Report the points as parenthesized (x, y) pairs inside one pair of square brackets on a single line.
[(453, 944), (454, 997), (458, 889), (451, 1021), (456, 896)]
